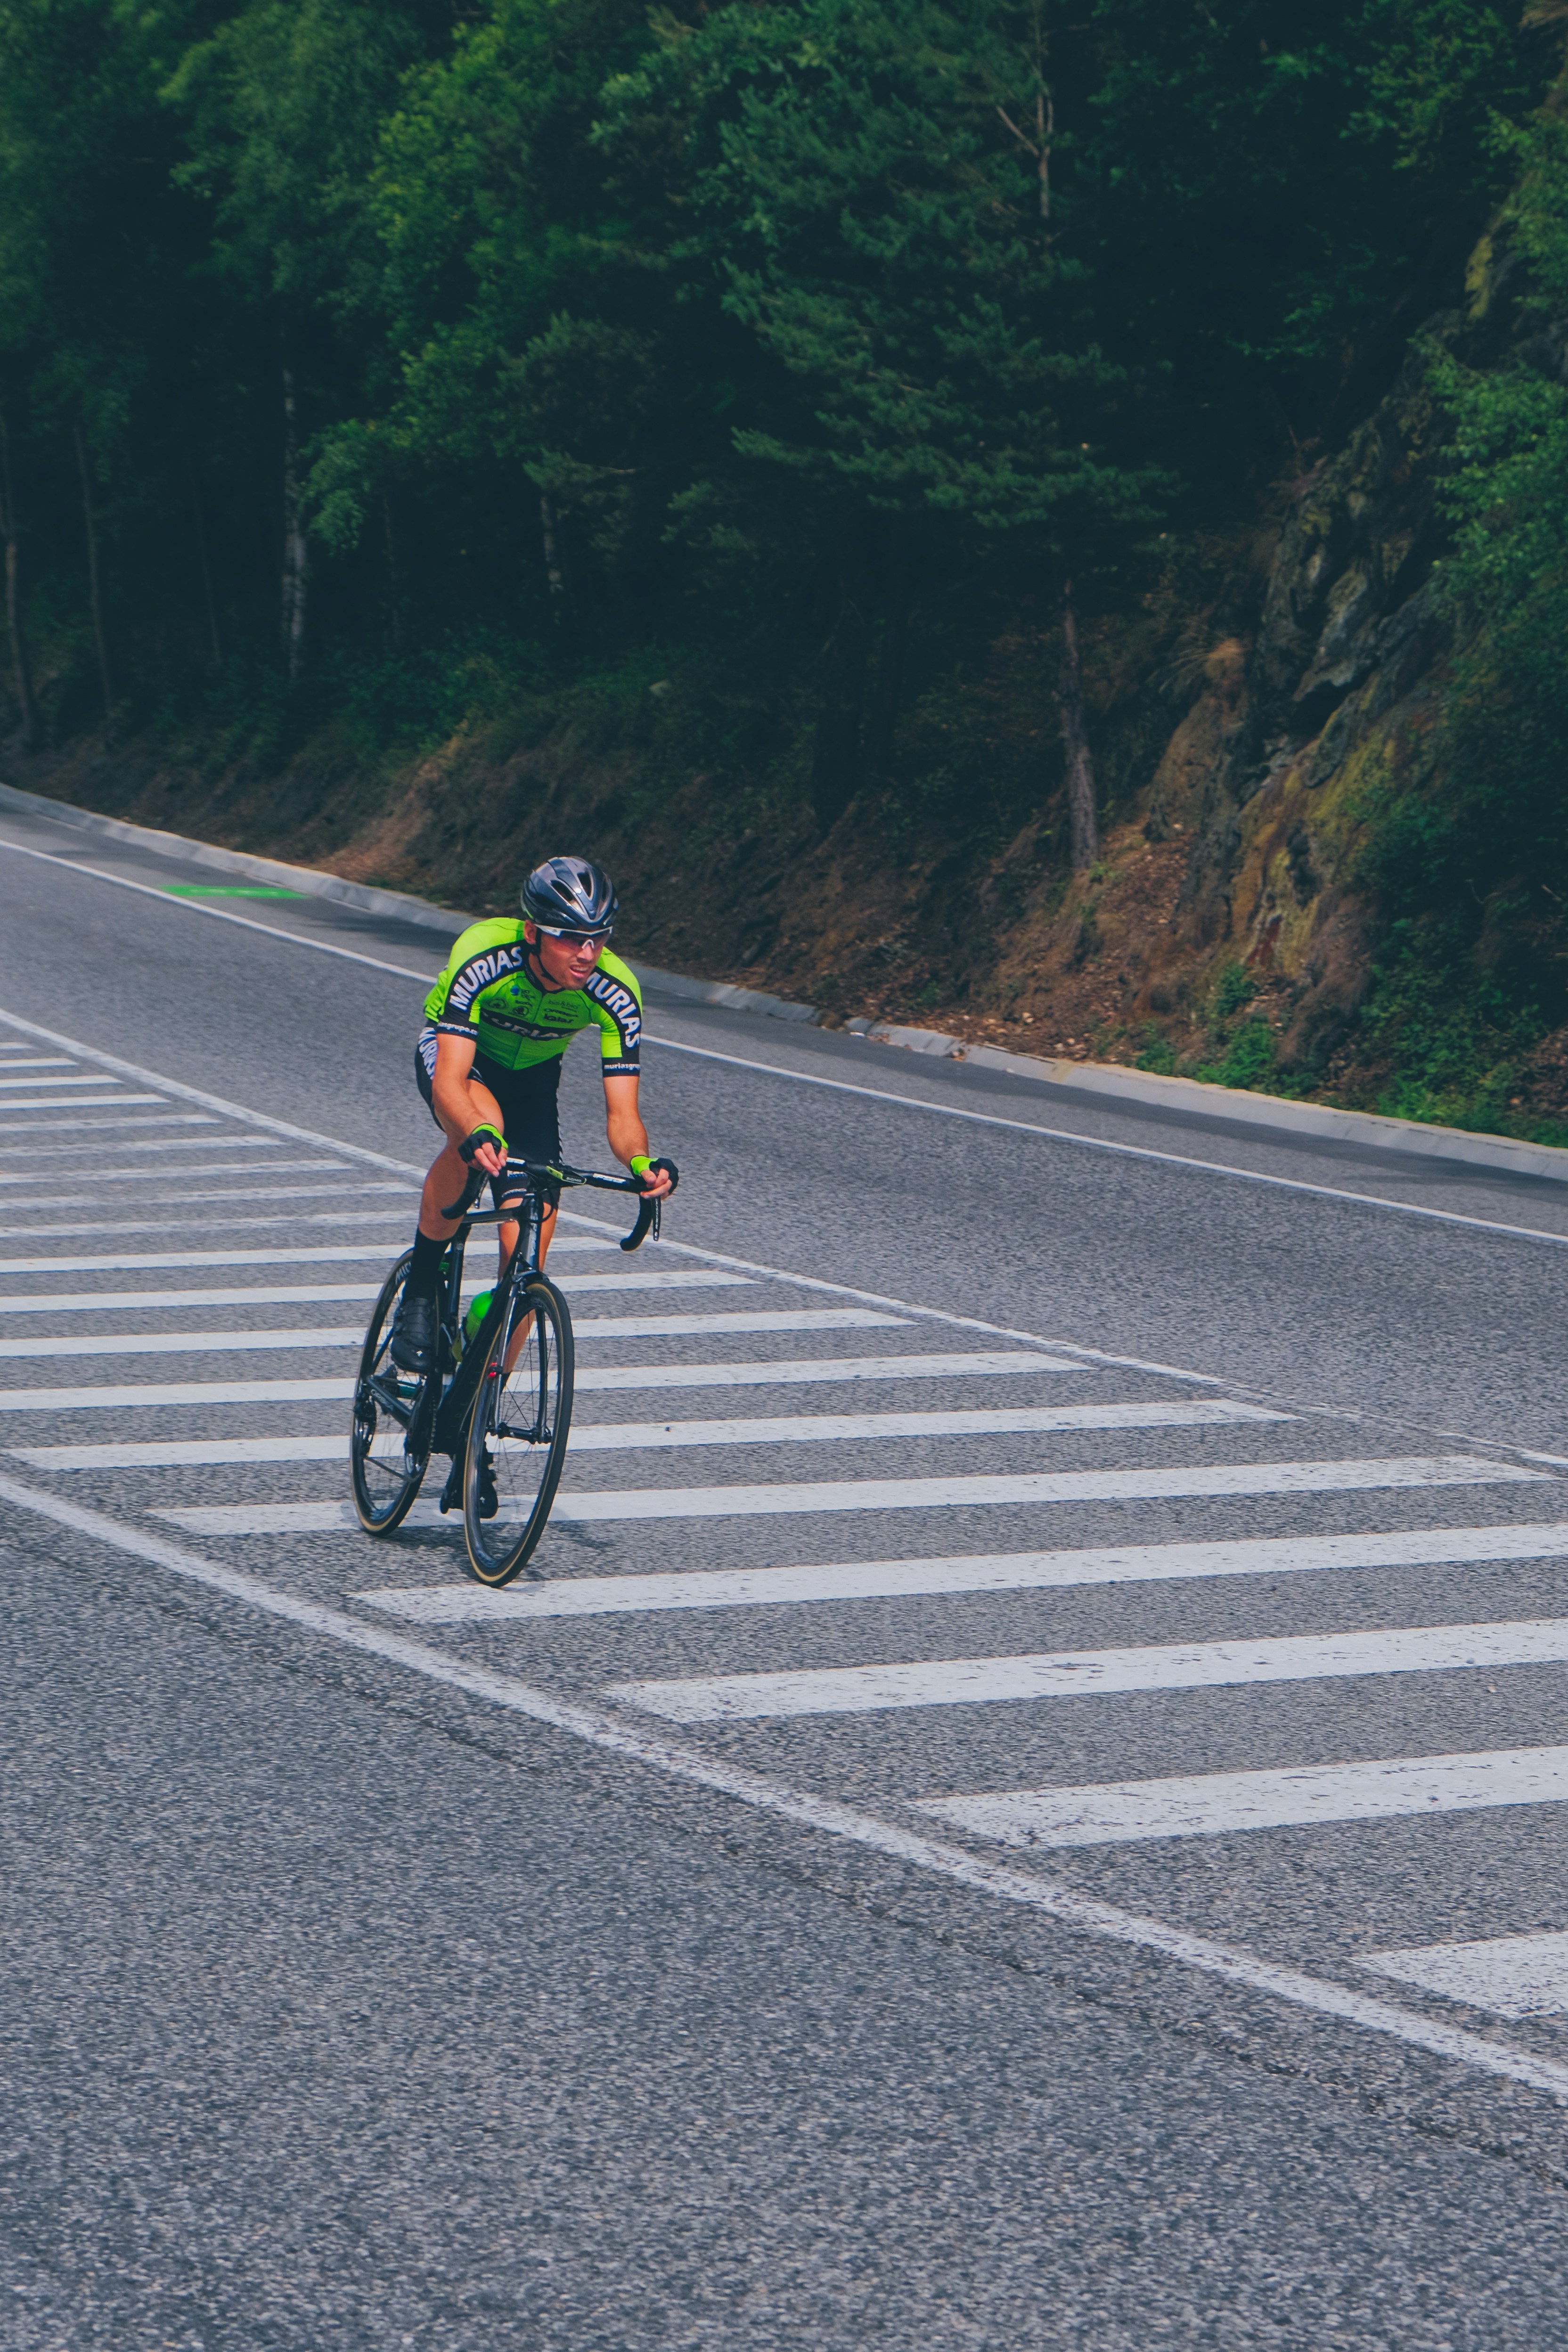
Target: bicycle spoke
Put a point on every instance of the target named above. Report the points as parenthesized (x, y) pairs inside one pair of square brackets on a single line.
[(389, 1445), (517, 1435)]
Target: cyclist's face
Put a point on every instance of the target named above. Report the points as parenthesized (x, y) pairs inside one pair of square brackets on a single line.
[(567, 962)]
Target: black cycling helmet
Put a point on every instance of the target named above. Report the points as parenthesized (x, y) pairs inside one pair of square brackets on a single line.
[(571, 897)]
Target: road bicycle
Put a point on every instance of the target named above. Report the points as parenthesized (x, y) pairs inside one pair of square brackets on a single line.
[(498, 1401)]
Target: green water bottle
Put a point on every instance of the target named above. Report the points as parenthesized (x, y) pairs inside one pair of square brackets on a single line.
[(476, 1315)]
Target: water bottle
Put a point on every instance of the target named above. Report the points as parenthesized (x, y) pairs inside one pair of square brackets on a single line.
[(474, 1317)]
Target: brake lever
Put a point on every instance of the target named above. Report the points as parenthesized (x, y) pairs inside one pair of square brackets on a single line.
[(647, 1222), (475, 1184)]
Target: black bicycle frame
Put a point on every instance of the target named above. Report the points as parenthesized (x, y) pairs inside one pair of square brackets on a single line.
[(525, 1208)]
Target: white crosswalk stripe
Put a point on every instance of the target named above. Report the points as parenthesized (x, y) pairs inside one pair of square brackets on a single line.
[(1092, 1674), (641, 1437), (1033, 1486), (79, 1080), (305, 1253), (84, 1302), (10, 1107), (1220, 1804), (1512, 1976), (844, 1581), (184, 1343)]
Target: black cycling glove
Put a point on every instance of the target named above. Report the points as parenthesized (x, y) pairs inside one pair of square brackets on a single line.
[(481, 1135)]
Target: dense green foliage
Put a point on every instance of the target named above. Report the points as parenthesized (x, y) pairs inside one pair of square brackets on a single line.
[(808, 344)]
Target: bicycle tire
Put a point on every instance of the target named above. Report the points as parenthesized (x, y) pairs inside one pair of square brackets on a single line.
[(519, 1430), (386, 1484)]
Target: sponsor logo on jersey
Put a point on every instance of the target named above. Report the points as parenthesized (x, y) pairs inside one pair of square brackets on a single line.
[(483, 972), (617, 999)]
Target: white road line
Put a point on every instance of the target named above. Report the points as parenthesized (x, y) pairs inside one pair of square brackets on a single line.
[(109, 1185), (848, 1494), (88, 1102), (75, 1302), (637, 1743), (19, 1059), (326, 1517), (176, 1452), (1033, 1486), (1219, 1804), (135, 1396), (322, 1254), (1117, 1150), (1102, 1674), (899, 1579), (1513, 1975), (188, 1343), (833, 1428), (816, 1370), (160, 1142), (79, 1079), (131, 1261), (354, 1213), (763, 1319), (600, 1437)]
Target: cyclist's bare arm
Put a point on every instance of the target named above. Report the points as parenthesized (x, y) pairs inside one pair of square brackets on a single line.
[(627, 1135)]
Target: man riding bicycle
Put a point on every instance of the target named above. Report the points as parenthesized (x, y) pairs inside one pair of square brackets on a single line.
[(498, 1022)]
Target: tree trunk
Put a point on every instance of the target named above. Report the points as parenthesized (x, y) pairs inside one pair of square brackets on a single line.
[(296, 551), (551, 559), (95, 582), (19, 662), (1080, 767), (214, 639), (838, 757)]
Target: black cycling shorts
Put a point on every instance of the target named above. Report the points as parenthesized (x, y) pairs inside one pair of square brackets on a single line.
[(530, 1107)]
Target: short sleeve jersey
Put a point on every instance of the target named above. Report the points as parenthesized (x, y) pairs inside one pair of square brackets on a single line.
[(487, 992)]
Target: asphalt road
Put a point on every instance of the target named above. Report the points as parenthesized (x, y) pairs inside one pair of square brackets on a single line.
[(972, 1840)]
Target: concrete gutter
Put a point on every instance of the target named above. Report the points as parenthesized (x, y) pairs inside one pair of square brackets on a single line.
[(1315, 1121)]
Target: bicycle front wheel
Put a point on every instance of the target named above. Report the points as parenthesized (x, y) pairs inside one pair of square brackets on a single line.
[(515, 1447), (394, 1411)]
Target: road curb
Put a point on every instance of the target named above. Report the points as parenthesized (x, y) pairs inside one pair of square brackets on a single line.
[(1317, 1121)]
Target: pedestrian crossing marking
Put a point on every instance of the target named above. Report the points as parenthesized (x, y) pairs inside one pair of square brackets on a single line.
[(1512, 1976), (1099, 1674), (184, 1343), (1221, 1804), (967, 1489), (309, 1253), (77, 1079), (848, 1580), (641, 1437), (91, 1302), (85, 1102), (814, 1371)]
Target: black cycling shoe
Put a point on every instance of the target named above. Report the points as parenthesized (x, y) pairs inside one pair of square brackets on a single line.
[(416, 1327), (452, 1492)]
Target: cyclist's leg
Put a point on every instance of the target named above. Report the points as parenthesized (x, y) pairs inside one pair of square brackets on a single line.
[(416, 1326), (528, 1102)]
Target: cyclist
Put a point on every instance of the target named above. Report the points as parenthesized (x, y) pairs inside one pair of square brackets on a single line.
[(498, 1022)]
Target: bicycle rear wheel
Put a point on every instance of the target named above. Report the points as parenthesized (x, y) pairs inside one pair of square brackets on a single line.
[(515, 1446), (394, 1412)]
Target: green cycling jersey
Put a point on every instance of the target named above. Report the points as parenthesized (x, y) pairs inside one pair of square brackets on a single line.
[(488, 992)]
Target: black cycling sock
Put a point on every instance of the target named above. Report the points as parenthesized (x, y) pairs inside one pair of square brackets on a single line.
[(424, 1273)]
